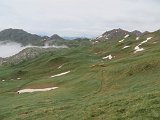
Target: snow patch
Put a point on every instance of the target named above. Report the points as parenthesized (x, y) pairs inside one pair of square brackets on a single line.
[(149, 38), (121, 40), (107, 57), (99, 37), (126, 36), (145, 41), (138, 49), (107, 35), (137, 38), (60, 74), (60, 66), (125, 47), (95, 42), (35, 90)]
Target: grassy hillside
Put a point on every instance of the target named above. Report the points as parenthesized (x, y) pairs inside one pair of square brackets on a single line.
[(126, 87)]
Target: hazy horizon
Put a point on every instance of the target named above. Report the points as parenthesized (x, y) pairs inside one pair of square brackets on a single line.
[(79, 18), (74, 37)]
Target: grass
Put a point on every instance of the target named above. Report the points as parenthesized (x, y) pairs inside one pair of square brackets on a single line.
[(127, 87)]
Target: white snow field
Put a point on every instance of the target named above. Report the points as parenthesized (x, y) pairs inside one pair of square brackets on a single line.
[(35, 90), (64, 73)]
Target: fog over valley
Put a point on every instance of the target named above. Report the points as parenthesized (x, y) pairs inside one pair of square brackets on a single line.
[(8, 48)]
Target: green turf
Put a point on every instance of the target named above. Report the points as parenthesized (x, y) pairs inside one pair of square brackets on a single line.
[(127, 87)]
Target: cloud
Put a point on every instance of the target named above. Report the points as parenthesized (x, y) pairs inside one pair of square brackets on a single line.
[(11, 48), (79, 17)]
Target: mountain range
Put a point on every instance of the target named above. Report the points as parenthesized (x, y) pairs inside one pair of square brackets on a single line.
[(25, 38)]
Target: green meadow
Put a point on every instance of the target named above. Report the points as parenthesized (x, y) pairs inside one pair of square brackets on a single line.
[(126, 87)]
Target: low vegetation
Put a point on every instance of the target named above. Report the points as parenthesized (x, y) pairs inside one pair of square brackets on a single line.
[(125, 87)]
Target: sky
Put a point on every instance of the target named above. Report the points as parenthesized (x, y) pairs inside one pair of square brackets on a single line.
[(79, 18)]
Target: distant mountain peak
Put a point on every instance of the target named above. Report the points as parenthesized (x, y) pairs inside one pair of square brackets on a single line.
[(117, 34), (116, 31), (137, 33), (113, 34), (20, 36), (25, 38), (13, 31), (56, 36)]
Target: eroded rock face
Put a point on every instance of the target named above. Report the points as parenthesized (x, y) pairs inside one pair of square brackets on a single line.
[(137, 33), (1, 61), (26, 54)]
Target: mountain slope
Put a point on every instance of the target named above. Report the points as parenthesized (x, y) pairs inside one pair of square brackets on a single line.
[(56, 37), (25, 38), (20, 36), (118, 34), (127, 86)]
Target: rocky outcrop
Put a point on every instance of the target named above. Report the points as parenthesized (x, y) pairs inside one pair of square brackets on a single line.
[(26, 54), (116, 34), (1, 61), (137, 33)]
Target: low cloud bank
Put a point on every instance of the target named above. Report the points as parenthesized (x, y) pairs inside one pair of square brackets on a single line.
[(8, 48)]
